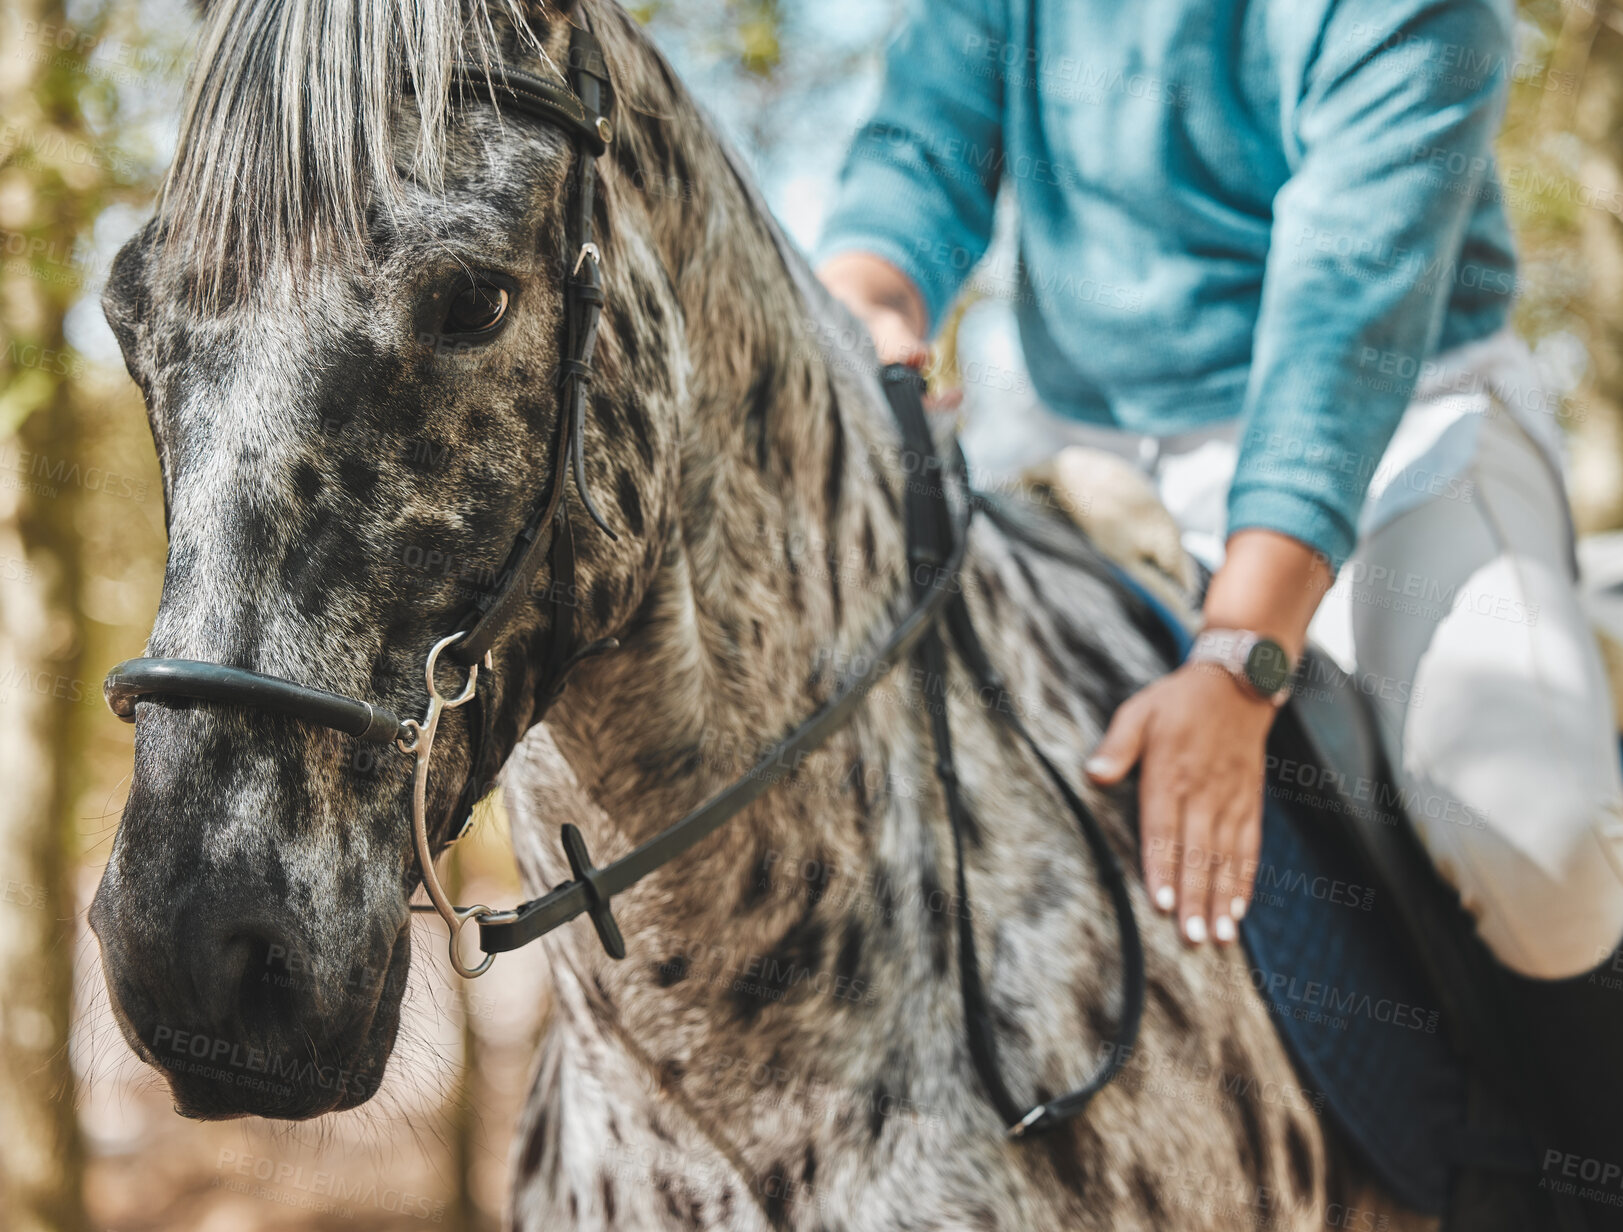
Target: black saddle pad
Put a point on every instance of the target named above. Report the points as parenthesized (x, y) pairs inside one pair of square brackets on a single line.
[(1358, 1017)]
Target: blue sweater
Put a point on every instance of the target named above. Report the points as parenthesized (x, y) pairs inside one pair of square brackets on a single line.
[(1275, 210)]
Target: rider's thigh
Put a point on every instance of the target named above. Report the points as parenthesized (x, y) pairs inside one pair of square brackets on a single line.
[(1494, 707)]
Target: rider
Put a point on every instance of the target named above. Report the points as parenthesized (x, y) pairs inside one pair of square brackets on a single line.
[(1262, 252)]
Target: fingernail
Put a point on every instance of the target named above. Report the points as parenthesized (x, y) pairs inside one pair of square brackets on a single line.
[(1165, 898), (1195, 929), (1237, 908), (1223, 928), (1096, 766)]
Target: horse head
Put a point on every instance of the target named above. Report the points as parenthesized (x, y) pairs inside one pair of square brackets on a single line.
[(347, 320)]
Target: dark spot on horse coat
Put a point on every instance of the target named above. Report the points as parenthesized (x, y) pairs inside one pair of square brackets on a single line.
[(833, 483), (672, 971), (1053, 665), (848, 962), (679, 1204), (882, 1099), (603, 597), (1072, 1149), (306, 481), (1096, 672), (1052, 698), (1147, 1191), (858, 781), (758, 880), (1252, 1144), (775, 1187), (637, 425), (992, 588), (358, 477), (1009, 1029), (887, 895), (630, 501), (1171, 1004), (817, 871), (331, 551), (530, 1162), (1300, 1158), (791, 964), (757, 410), (608, 1201), (1029, 577)]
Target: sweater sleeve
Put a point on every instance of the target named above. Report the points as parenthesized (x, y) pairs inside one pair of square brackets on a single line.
[(1392, 132), (919, 184)]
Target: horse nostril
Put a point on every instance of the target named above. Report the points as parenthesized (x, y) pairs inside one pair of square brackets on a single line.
[(268, 993), (253, 977)]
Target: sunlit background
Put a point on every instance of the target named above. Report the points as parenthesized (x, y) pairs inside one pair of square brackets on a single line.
[(88, 102)]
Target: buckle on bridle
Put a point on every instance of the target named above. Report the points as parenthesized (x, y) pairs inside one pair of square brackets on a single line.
[(588, 249)]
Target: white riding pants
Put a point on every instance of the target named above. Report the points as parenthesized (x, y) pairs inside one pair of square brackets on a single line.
[(1459, 616)]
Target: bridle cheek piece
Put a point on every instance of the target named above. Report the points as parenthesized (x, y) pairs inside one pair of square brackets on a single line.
[(937, 538), (583, 109)]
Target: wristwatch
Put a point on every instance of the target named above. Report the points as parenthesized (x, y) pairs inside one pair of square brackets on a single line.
[(1257, 662)]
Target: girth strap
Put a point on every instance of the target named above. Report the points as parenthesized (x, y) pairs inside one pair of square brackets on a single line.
[(929, 536)]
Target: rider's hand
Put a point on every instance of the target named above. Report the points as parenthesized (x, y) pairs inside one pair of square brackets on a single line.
[(885, 300), (1199, 737)]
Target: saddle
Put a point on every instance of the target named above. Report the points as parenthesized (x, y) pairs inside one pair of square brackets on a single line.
[(1493, 1101)]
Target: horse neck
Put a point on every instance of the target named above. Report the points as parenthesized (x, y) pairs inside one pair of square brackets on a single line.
[(785, 551)]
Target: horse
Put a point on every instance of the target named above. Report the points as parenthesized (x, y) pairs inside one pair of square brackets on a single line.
[(345, 318)]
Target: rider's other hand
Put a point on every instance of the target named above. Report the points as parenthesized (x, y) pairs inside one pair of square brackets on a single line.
[(885, 300), (894, 340), (1200, 739)]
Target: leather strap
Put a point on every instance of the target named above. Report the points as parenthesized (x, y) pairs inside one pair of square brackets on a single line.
[(583, 305), (593, 888), (543, 99), (134, 679), (928, 530)]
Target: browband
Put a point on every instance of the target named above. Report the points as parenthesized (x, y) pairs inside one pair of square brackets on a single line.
[(545, 100)]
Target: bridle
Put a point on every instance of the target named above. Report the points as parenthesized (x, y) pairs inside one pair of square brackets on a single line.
[(937, 539)]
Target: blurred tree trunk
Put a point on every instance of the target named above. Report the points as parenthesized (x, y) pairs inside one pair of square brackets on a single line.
[(41, 1154), (50, 192), (1597, 122)]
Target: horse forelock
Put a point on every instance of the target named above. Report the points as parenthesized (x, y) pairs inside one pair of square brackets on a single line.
[(291, 135)]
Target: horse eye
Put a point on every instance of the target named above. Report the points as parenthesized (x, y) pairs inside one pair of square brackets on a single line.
[(476, 309)]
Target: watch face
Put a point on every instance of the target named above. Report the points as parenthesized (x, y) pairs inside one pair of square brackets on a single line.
[(1267, 667)]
